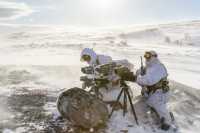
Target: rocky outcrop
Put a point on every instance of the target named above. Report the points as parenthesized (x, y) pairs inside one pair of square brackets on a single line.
[(81, 108)]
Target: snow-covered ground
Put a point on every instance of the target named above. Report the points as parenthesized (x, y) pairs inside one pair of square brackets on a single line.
[(178, 46), (45, 59)]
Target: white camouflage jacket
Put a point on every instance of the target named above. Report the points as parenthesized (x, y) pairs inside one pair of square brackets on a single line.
[(155, 71)]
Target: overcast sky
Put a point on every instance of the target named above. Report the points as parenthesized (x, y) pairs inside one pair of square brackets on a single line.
[(98, 13)]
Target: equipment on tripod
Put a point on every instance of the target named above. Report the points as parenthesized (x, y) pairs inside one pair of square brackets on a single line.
[(124, 73), (105, 69), (125, 91), (87, 70), (97, 79), (99, 76), (87, 82), (94, 84)]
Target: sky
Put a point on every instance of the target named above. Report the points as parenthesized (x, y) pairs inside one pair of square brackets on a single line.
[(97, 13)]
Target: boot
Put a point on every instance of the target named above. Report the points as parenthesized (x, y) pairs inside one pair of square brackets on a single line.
[(164, 125)]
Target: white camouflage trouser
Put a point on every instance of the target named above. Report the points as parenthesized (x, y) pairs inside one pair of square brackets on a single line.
[(158, 101)]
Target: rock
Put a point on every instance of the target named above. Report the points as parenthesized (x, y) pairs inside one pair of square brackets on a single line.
[(81, 108)]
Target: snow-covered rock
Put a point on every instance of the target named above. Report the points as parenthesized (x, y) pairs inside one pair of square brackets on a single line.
[(82, 108)]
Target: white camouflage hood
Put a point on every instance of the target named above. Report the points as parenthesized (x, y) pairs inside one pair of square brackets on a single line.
[(91, 53), (152, 61)]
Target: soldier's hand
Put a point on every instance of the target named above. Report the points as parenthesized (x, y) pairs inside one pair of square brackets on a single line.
[(142, 71)]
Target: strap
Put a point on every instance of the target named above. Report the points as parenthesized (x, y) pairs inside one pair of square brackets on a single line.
[(97, 60), (162, 84)]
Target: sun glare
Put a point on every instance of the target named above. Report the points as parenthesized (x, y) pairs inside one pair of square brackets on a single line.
[(102, 4)]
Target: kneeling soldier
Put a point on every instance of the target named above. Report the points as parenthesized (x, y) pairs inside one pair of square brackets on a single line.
[(155, 87)]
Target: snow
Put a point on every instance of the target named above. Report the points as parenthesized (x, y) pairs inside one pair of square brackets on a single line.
[(7, 131), (50, 61)]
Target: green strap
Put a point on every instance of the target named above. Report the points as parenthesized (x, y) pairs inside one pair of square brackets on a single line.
[(97, 60)]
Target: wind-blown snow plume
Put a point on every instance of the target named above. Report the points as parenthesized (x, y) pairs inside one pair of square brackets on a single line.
[(12, 10)]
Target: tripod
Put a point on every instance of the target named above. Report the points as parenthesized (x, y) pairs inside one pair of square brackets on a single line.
[(125, 91)]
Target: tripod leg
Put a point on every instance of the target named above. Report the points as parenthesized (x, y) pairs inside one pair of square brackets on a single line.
[(125, 104), (97, 93), (113, 108), (132, 107)]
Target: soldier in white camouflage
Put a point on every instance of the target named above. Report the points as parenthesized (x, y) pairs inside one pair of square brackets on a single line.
[(155, 87)]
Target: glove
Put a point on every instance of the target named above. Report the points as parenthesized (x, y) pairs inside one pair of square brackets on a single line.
[(142, 71), (144, 92)]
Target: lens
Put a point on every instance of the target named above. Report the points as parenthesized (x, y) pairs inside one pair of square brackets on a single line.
[(147, 55), (86, 57)]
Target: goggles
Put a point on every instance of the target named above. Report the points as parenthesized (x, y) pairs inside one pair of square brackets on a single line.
[(147, 55), (85, 58)]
